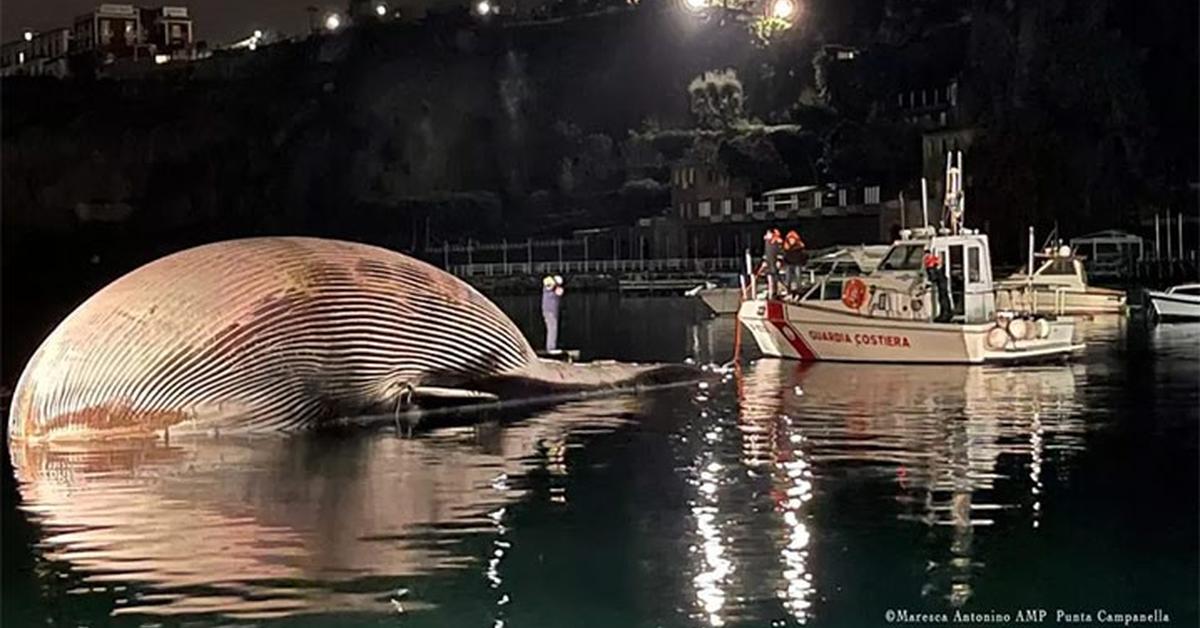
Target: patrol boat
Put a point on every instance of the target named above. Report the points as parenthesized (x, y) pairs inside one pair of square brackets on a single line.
[(889, 315)]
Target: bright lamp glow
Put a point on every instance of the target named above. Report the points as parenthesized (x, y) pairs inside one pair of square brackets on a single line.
[(332, 21), (695, 5), (381, 9), (484, 7), (258, 34), (28, 35), (783, 9)]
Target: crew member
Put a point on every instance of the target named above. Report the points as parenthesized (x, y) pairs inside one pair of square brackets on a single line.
[(772, 243), (937, 277), (795, 256), (552, 292)]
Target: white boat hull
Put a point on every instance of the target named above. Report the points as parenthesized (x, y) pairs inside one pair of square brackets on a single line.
[(812, 332), (1171, 305), (721, 300), (1061, 301)]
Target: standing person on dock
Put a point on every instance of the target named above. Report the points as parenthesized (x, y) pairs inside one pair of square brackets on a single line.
[(552, 292), (772, 245), (937, 277), (795, 256)]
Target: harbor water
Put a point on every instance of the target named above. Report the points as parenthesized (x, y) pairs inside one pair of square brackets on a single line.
[(777, 494)]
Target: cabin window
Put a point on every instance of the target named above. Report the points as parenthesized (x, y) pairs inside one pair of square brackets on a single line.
[(973, 265), (1060, 267), (903, 257), (1192, 290)]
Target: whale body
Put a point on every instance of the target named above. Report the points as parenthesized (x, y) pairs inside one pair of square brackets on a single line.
[(279, 333)]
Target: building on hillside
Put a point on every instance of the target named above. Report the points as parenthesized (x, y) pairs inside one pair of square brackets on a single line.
[(713, 214), (167, 29), (108, 30), (37, 54)]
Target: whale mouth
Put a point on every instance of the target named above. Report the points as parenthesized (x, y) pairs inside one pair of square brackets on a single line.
[(442, 407)]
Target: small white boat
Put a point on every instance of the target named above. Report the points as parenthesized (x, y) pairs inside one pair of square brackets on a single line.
[(888, 316), (1178, 302), (1058, 286), (719, 296), (835, 263)]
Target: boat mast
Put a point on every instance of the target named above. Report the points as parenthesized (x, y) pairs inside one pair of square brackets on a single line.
[(955, 201), (924, 203)]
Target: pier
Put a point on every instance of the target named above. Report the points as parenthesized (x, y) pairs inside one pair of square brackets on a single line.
[(516, 265)]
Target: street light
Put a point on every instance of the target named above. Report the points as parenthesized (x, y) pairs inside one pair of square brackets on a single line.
[(332, 22), (783, 9), (28, 35), (258, 34), (695, 6), (381, 9), (484, 7)]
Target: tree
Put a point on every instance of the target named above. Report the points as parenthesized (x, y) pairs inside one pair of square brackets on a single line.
[(717, 99)]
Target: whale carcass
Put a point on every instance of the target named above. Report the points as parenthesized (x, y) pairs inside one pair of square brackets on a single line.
[(266, 334)]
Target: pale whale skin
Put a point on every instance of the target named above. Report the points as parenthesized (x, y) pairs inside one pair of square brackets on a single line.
[(270, 334)]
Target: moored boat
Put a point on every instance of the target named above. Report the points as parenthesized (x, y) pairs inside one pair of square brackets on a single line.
[(1177, 303), (889, 315), (1058, 286)]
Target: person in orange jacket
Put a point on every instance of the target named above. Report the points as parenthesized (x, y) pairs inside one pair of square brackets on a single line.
[(795, 256), (933, 271), (772, 248)]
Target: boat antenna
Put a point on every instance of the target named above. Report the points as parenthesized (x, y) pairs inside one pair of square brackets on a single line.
[(902, 210), (924, 203), (1029, 272), (954, 202), (962, 192)]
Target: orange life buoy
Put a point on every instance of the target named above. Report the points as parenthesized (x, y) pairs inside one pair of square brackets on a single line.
[(854, 293)]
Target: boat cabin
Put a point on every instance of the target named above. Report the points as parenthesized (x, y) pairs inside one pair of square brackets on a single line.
[(1055, 268), (966, 262), (899, 288)]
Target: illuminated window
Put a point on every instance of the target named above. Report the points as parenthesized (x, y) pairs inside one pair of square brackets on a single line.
[(727, 206), (973, 264)]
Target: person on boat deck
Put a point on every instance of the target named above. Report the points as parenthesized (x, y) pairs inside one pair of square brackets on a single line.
[(937, 277), (795, 256), (552, 292), (772, 244)]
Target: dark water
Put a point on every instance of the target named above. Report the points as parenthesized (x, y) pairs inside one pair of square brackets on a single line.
[(782, 495)]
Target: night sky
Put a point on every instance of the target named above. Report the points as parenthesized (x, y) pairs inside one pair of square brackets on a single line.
[(216, 21)]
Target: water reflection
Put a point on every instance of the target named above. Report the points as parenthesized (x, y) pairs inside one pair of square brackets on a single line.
[(936, 435), (263, 528)]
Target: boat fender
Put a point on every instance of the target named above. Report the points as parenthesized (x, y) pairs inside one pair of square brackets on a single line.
[(1019, 328), (854, 293), (1043, 328), (1031, 329), (997, 337)]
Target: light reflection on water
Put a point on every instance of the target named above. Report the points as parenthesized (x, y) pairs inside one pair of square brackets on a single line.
[(269, 527), (762, 497)]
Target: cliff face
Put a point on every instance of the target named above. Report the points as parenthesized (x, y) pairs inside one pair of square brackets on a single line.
[(304, 135)]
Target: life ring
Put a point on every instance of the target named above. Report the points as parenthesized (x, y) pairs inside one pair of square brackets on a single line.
[(854, 293)]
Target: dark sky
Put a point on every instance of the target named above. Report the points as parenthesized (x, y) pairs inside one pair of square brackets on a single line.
[(216, 21)]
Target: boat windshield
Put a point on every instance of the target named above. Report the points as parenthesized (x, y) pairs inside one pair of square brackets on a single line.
[(1060, 267), (903, 257)]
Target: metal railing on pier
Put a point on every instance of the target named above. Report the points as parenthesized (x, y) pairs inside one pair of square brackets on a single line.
[(620, 267)]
